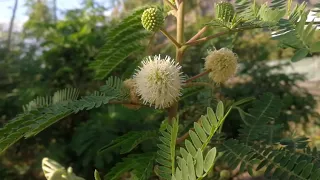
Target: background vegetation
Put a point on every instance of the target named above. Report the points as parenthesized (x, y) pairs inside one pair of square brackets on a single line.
[(50, 54)]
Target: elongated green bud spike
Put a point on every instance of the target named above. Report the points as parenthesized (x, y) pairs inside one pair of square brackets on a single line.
[(152, 19), (224, 11)]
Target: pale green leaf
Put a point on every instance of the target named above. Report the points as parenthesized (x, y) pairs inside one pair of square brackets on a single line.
[(178, 174), (243, 101), (200, 132), (190, 148), (184, 153), (315, 47), (184, 169), (192, 175), (195, 139), (205, 124), (299, 55), (220, 111), (209, 159), (212, 117), (199, 163), (96, 175)]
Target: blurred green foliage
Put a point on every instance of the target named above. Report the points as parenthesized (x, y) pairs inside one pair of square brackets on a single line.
[(52, 55)]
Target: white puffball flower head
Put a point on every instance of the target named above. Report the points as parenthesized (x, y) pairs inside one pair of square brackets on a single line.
[(159, 81), (222, 64)]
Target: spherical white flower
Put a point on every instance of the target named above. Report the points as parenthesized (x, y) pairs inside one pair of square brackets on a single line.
[(159, 81), (222, 65)]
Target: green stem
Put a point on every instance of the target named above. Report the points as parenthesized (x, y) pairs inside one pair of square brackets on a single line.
[(213, 131), (164, 32)]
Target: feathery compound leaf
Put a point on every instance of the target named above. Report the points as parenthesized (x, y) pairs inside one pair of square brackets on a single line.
[(295, 33), (278, 4), (129, 141), (286, 165), (246, 10), (114, 85), (194, 167), (122, 41), (255, 125), (166, 153), (194, 149), (48, 112), (58, 97), (271, 15), (140, 165)]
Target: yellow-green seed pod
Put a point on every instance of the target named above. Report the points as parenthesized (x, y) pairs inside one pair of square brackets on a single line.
[(152, 19), (224, 11)]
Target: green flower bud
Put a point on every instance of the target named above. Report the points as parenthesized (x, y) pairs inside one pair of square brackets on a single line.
[(152, 19), (224, 11), (225, 174)]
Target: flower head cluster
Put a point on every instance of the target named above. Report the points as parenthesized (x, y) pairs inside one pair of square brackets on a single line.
[(159, 81), (222, 65), (152, 19)]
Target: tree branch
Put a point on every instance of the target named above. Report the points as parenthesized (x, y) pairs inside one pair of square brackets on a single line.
[(164, 32), (171, 5), (197, 84), (183, 137), (198, 35), (128, 103), (11, 25), (198, 76), (196, 42)]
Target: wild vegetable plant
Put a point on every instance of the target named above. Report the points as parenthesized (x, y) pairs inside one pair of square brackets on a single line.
[(159, 82)]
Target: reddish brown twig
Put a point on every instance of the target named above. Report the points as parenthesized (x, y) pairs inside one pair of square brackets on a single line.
[(198, 76), (183, 137), (198, 35), (196, 42)]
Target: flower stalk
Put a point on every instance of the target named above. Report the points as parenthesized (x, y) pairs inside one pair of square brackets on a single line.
[(173, 110), (198, 76), (164, 32), (195, 41), (198, 35)]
